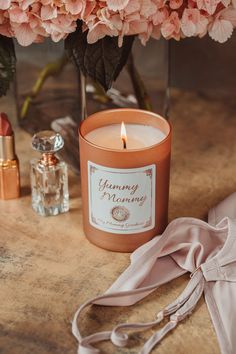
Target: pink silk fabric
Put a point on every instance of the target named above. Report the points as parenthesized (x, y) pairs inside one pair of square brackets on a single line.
[(207, 251)]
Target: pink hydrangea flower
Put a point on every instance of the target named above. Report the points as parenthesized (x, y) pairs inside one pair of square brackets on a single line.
[(176, 4), (193, 23), (32, 20), (171, 26), (221, 27)]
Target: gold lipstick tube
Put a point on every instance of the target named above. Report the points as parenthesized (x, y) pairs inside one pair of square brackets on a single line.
[(9, 169)]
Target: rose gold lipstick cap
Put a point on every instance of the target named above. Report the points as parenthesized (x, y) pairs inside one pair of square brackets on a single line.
[(7, 148)]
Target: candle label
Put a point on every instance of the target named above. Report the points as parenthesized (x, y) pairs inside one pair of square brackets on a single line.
[(122, 200)]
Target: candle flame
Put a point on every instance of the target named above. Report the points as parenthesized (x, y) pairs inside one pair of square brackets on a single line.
[(123, 134)]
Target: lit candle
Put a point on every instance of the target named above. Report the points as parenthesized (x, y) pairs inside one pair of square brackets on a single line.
[(135, 136), (125, 165)]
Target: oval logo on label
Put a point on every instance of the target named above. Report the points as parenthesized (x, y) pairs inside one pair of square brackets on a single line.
[(120, 213)]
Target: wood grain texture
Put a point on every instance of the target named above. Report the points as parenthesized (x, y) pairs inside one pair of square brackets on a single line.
[(48, 268)]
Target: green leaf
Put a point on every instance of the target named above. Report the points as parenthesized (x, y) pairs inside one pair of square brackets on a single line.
[(7, 63), (103, 60)]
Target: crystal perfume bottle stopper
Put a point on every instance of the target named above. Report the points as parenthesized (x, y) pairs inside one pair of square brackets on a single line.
[(47, 141)]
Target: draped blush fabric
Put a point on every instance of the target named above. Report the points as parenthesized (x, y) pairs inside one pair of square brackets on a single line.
[(206, 250)]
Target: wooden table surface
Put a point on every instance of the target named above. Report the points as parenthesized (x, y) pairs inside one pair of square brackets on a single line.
[(48, 268)]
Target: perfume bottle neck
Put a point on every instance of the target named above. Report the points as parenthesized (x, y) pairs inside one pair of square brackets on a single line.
[(48, 159)]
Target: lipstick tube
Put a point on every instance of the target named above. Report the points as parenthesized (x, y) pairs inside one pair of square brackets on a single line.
[(9, 168)]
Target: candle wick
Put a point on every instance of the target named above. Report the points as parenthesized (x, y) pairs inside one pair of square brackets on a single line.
[(124, 144)]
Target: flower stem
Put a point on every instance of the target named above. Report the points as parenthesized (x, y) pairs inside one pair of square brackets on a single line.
[(140, 91), (50, 69)]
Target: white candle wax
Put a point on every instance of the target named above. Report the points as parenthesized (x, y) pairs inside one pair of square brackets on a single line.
[(138, 136)]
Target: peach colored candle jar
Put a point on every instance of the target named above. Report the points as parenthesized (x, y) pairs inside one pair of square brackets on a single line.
[(125, 177)]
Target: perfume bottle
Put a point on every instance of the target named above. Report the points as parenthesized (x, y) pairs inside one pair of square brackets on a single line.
[(49, 177)]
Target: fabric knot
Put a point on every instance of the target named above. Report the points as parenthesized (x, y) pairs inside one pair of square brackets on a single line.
[(194, 272)]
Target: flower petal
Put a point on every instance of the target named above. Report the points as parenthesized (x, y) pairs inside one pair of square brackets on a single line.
[(221, 30)]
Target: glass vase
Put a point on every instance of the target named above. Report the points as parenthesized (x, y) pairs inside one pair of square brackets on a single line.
[(52, 94)]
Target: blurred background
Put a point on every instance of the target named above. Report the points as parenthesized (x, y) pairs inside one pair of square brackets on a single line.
[(194, 64), (198, 66)]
